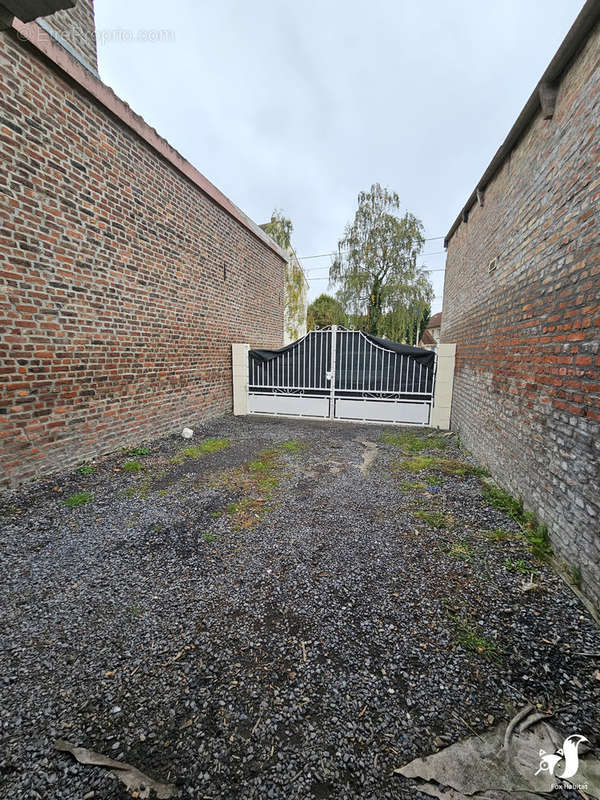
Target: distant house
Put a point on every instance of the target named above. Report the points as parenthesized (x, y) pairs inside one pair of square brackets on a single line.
[(431, 337)]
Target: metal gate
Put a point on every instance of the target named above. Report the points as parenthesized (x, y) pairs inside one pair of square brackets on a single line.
[(342, 374)]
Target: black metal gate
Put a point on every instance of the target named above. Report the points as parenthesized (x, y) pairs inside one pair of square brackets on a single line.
[(343, 374)]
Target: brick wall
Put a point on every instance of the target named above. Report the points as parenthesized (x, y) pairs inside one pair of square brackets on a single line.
[(527, 385), (75, 26), (122, 284)]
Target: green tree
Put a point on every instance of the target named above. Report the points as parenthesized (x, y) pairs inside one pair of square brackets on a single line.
[(325, 311), (399, 329), (279, 228), (376, 268)]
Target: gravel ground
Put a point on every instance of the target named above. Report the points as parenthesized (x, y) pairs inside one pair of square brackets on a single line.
[(272, 619)]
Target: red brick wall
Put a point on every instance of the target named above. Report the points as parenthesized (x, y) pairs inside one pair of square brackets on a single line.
[(527, 385), (122, 284)]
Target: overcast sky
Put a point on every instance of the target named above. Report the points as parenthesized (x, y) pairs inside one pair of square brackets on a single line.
[(300, 105)]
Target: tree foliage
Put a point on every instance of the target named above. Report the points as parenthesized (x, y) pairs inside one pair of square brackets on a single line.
[(407, 327), (376, 268), (325, 311), (280, 229)]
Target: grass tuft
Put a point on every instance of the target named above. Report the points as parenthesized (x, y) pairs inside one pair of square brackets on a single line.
[(435, 519), (293, 446), (462, 550), (86, 469), (518, 566), (499, 535), (410, 442), (535, 532), (199, 450), (132, 466), (134, 452), (447, 466), (78, 499), (471, 640)]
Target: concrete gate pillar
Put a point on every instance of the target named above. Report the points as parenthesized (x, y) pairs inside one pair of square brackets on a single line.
[(444, 380)]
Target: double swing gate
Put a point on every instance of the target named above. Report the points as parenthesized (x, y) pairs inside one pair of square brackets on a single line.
[(342, 374)]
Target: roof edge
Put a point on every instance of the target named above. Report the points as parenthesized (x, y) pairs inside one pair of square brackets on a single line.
[(572, 44), (37, 37)]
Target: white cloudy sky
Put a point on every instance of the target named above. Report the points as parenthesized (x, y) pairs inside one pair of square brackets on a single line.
[(300, 105)]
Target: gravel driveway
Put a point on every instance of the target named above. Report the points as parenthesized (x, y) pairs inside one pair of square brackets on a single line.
[(287, 610)]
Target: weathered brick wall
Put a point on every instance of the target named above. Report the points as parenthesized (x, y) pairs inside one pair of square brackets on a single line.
[(75, 26), (527, 385), (122, 284)]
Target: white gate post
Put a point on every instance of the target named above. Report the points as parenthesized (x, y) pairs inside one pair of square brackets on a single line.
[(332, 381), (239, 374), (444, 379)]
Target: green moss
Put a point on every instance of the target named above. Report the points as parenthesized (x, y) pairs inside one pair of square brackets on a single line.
[(293, 446), (199, 450), (417, 463), (210, 537), (78, 499)]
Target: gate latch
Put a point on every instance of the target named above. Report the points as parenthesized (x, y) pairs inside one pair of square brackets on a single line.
[(328, 375)]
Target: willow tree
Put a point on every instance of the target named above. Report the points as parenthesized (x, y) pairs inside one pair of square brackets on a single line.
[(280, 229), (375, 270)]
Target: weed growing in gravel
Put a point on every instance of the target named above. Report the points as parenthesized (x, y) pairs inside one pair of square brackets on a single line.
[(407, 485), (78, 499), (539, 542), (135, 611), (499, 535), (86, 469), (448, 466), (134, 452), (574, 575), (417, 463), (518, 566), (132, 466), (411, 442), (210, 537), (293, 446), (256, 481), (435, 519), (199, 450), (503, 501), (462, 550), (536, 533), (471, 640)]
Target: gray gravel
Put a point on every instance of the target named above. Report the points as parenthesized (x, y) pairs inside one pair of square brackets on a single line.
[(302, 644)]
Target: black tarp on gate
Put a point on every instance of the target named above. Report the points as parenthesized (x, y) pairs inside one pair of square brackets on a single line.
[(364, 363)]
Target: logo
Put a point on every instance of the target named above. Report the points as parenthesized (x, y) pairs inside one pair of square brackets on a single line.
[(567, 753)]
